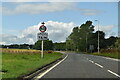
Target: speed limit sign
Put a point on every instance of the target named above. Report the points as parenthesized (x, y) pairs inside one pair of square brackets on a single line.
[(42, 28), (42, 35)]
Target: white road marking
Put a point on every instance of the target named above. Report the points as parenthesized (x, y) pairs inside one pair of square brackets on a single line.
[(99, 65), (91, 61), (42, 74), (102, 66), (87, 59), (113, 73), (112, 59), (96, 64)]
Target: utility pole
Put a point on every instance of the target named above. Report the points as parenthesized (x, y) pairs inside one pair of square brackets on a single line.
[(98, 37), (86, 42)]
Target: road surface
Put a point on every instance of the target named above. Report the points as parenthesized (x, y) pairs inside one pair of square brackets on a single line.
[(84, 66)]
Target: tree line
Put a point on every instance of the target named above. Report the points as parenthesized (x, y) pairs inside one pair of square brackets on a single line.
[(18, 46), (83, 38), (48, 45)]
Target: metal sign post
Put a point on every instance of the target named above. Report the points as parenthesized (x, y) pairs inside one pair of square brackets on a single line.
[(91, 48), (42, 36), (42, 50)]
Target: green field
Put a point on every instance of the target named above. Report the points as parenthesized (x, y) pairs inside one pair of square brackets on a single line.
[(16, 65)]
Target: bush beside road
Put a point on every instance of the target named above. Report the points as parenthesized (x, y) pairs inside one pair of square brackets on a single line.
[(111, 55)]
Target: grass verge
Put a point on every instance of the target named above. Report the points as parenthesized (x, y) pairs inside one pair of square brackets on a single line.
[(16, 65), (111, 55)]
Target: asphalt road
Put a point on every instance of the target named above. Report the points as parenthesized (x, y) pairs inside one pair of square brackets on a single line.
[(85, 66)]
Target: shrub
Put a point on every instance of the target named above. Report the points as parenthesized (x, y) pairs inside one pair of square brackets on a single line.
[(112, 50), (50, 51)]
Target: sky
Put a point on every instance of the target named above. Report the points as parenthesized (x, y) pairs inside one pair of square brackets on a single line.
[(21, 20)]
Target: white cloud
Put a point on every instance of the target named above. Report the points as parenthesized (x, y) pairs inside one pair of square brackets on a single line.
[(89, 12), (38, 8), (107, 29), (57, 31), (2, 43), (59, 0)]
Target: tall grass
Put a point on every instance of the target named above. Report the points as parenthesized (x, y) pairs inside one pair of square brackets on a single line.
[(19, 51)]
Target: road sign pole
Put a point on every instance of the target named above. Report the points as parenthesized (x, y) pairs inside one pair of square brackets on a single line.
[(42, 50)]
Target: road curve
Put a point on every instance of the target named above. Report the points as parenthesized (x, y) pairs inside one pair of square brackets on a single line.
[(84, 66)]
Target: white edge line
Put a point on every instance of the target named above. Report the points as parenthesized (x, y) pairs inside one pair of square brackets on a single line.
[(99, 65), (113, 73), (112, 59), (41, 75)]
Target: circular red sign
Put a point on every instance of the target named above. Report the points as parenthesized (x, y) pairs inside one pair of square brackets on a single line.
[(42, 28)]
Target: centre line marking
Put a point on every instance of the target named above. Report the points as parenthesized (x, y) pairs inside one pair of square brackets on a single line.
[(91, 61), (99, 65), (41, 75), (113, 73)]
